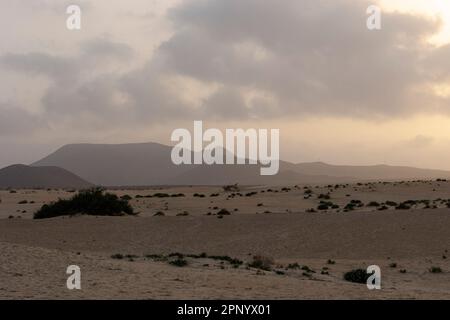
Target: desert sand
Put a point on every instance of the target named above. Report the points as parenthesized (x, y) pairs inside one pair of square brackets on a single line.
[(276, 223)]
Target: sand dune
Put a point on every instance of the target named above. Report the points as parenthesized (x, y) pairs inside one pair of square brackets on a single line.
[(35, 253)]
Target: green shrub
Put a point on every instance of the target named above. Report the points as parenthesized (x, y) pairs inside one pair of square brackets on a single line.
[(223, 212), (199, 195), (435, 270), (176, 254), (231, 188), (357, 276), (308, 269), (161, 195), (232, 261), (403, 206), (261, 262), (294, 265), (90, 202), (177, 195), (179, 262)]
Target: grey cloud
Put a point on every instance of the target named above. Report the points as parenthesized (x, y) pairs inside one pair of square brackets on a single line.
[(17, 121), (312, 56), (101, 47), (321, 57), (57, 68), (227, 104)]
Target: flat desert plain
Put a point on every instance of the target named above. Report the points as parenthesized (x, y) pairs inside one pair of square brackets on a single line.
[(179, 247)]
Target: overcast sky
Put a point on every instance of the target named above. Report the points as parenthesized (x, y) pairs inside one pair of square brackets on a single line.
[(139, 69)]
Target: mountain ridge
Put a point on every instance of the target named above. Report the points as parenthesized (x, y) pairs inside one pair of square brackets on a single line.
[(23, 176), (149, 163)]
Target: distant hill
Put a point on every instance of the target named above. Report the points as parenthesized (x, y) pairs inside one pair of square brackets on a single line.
[(131, 164), (141, 164), (22, 176), (375, 172)]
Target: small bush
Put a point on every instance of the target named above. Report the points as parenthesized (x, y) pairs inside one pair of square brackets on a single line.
[(308, 269), (403, 206), (232, 261), (198, 256), (435, 270), (231, 188), (91, 202), (117, 256), (161, 195), (294, 266), (156, 257), (199, 195), (177, 195), (357, 276), (179, 262), (261, 262), (223, 212)]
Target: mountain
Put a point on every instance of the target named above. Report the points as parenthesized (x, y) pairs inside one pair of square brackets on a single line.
[(22, 176), (141, 164), (117, 164), (376, 172)]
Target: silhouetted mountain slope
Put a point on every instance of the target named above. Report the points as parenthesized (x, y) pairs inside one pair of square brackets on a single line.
[(140, 164), (22, 176)]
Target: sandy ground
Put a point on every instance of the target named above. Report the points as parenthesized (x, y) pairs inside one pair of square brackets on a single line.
[(35, 253)]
